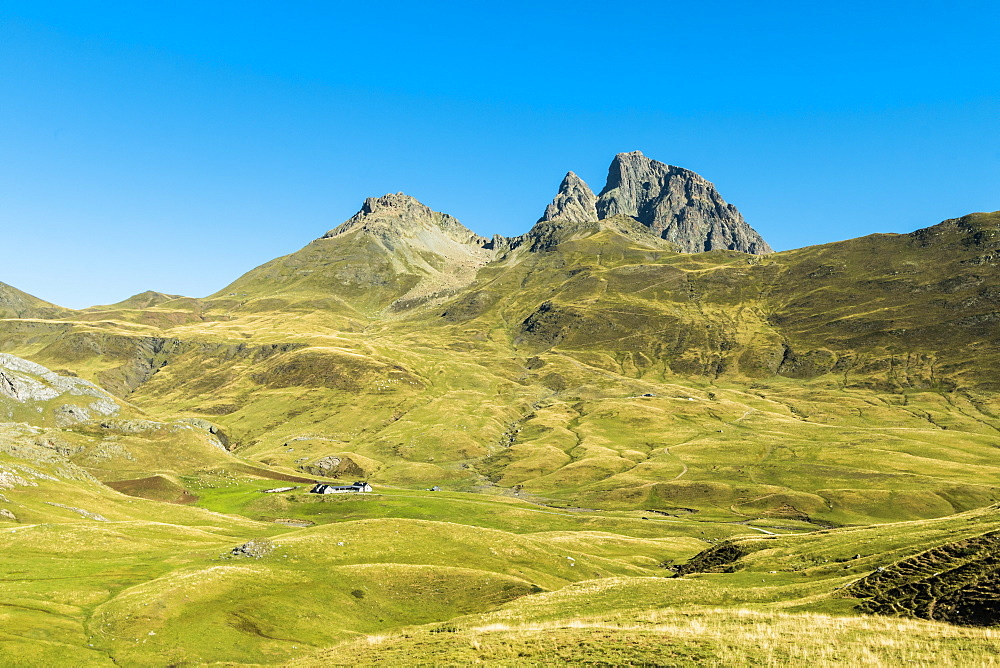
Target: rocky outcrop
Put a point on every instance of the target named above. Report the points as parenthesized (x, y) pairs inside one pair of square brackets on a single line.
[(68, 415), (71, 400), (575, 202), (342, 466), (256, 548), (219, 437), (393, 217), (31, 454), (82, 512), (677, 204)]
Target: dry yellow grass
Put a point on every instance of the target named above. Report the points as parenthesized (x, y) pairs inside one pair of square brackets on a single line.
[(705, 636)]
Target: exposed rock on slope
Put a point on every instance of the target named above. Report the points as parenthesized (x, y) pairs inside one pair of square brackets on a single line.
[(394, 252), (32, 455), (575, 202), (29, 390), (677, 204)]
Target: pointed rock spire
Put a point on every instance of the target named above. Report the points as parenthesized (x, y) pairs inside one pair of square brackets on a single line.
[(677, 204), (575, 202)]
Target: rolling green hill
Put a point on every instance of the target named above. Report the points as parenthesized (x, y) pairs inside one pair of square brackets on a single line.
[(17, 304), (630, 443), (590, 362)]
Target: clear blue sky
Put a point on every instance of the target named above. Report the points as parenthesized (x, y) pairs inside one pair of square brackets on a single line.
[(175, 145)]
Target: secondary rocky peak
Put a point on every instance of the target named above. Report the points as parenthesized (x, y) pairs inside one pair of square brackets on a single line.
[(677, 204), (630, 178), (394, 253), (395, 215), (575, 202), (397, 203)]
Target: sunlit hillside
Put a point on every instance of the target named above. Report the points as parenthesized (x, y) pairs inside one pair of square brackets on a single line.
[(582, 443)]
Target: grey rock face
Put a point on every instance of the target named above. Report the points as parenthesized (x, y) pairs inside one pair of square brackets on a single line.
[(677, 204), (256, 548), (68, 415), (334, 466), (575, 202), (24, 381), (218, 437)]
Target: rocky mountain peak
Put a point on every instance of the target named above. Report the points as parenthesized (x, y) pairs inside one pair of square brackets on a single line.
[(395, 216), (575, 202), (676, 203), (396, 203)]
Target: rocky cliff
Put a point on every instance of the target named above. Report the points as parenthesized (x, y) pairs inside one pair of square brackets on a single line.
[(574, 203), (676, 204), (31, 393)]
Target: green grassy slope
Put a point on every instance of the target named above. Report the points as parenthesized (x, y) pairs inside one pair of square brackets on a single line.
[(793, 599), (812, 384), (602, 414), (152, 581), (17, 304), (142, 593)]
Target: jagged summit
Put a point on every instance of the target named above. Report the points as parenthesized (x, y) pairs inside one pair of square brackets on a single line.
[(398, 215), (396, 252), (575, 202), (675, 203)]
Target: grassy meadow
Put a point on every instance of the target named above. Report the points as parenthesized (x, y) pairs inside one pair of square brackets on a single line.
[(641, 458)]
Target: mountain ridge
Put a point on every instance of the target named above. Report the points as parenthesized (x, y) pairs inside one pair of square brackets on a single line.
[(676, 203), (589, 412), (569, 329)]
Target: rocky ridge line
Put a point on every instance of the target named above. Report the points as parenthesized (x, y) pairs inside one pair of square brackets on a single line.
[(676, 204)]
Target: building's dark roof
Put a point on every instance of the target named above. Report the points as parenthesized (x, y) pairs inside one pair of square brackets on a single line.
[(320, 487)]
